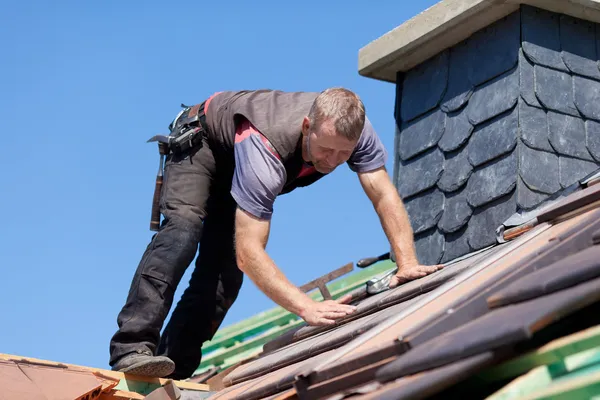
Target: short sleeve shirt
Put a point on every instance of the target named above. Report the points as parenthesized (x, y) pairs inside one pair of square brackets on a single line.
[(259, 174)]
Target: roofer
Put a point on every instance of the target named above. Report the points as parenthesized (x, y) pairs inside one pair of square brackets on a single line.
[(219, 195)]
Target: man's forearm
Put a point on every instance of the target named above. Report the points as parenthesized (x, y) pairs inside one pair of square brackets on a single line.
[(396, 225), (256, 263)]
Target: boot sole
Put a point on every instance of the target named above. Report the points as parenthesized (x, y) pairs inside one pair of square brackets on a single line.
[(152, 368)]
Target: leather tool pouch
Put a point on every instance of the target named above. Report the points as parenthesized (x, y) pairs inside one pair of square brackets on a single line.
[(187, 129)]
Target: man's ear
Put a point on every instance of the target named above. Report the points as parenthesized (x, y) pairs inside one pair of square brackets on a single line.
[(305, 126)]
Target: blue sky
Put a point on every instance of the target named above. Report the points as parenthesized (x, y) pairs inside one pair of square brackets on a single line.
[(84, 84)]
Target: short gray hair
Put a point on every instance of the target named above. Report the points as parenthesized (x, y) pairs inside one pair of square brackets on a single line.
[(343, 107)]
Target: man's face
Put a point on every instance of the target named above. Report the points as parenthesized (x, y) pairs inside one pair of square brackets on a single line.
[(325, 148)]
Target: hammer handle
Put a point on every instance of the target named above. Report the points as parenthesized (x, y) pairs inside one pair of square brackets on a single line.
[(155, 218), (365, 262)]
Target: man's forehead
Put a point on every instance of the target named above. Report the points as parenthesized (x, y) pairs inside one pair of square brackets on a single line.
[(337, 142)]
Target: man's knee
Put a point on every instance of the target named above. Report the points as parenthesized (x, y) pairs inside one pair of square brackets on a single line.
[(174, 247)]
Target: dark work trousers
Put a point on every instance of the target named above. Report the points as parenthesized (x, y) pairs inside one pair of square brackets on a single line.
[(198, 211)]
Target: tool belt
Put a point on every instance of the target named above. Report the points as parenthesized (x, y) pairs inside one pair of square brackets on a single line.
[(186, 130)]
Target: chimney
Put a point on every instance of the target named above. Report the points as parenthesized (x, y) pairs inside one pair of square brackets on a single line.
[(497, 111)]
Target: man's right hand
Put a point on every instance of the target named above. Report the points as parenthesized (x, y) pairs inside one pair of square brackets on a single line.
[(326, 312)]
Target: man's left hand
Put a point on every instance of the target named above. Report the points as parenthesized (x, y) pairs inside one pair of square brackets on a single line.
[(411, 272)]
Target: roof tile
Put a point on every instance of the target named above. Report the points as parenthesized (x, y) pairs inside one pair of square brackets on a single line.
[(494, 97), (432, 74), (541, 37), (425, 210), (494, 138), (493, 49), (421, 134), (527, 81), (539, 169), (492, 214), (573, 169), (533, 126), (430, 246), (567, 135), (564, 273), (420, 173), (554, 90), (432, 382), (527, 198), (592, 138), (457, 132), (456, 212), (578, 41), (493, 181), (586, 94), (457, 244), (460, 87), (457, 170), (503, 326)]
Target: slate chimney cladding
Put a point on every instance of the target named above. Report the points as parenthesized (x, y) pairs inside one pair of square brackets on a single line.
[(494, 125)]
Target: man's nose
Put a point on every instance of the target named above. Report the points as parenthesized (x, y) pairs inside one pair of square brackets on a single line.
[(336, 159)]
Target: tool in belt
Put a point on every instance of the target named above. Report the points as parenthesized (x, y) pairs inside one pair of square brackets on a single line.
[(186, 131)]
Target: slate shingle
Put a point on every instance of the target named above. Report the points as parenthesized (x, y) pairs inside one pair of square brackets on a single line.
[(457, 244), (424, 87), (493, 138), (457, 131), (592, 138), (484, 221), (457, 170), (421, 134), (456, 212), (420, 173), (567, 135), (460, 88), (494, 49), (527, 81), (598, 42), (540, 30), (425, 210), (554, 90), (527, 198), (578, 40), (533, 126), (573, 169), (492, 181), (494, 97), (539, 169), (586, 94), (429, 246)]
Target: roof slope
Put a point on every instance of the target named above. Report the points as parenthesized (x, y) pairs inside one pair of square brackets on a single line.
[(23, 378), (461, 324), (245, 339)]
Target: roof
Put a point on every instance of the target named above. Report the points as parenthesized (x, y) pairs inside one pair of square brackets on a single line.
[(446, 24), (245, 339), (23, 378), (494, 322)]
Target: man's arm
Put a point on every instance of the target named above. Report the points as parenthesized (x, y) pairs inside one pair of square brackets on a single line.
[(396, 225), (251, 236)]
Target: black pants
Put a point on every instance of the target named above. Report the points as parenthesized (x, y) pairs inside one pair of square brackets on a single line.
[(198, 211)]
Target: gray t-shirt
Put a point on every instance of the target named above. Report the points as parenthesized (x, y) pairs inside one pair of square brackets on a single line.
[(259, 175)]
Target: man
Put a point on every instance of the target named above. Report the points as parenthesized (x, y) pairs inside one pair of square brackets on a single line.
[(220, 194)]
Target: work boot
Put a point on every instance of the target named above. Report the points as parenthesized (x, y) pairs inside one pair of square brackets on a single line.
[(142, 362)]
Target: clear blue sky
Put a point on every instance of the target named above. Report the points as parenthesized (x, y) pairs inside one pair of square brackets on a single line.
[(84, 84)]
